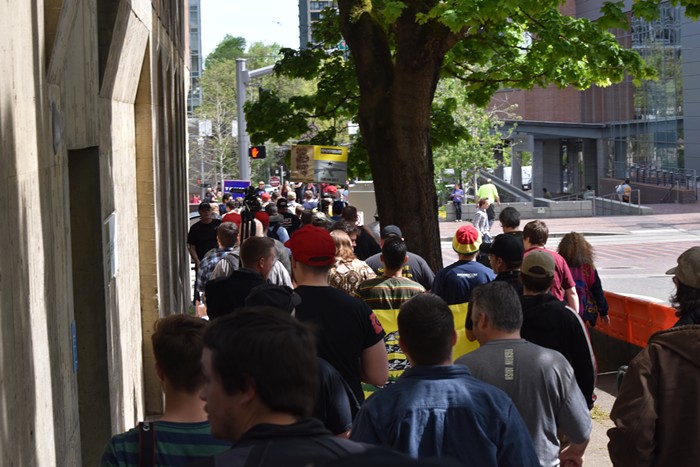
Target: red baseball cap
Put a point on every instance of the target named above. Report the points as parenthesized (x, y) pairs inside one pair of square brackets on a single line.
[(312, 246)]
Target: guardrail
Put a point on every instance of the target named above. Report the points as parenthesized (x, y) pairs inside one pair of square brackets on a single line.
[(634, 320), (612, 204), (672, 177)]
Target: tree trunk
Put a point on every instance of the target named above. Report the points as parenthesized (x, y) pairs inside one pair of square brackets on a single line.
[(396, 93)]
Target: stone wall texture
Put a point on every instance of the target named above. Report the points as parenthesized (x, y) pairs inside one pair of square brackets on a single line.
[(93, 220)]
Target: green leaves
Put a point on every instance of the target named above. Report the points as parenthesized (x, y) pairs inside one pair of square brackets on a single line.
[(230, 48)]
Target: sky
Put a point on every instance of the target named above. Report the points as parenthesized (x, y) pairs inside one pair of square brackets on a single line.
[(265, 21)]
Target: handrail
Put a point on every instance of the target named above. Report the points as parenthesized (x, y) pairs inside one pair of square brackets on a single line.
[(615, 200), (658, 175)]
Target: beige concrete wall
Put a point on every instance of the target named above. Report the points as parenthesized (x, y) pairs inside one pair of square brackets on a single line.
[(54, 101)]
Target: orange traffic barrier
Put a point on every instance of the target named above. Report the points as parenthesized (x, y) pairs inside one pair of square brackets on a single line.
[(634, 320)]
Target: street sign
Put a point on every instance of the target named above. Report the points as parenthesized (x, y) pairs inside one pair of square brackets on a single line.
[(274, 181)]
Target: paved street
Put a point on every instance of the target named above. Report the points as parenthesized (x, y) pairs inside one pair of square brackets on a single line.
[(633, 254)]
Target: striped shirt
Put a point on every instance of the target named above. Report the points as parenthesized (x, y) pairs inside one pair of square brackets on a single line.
[(177, 444), (388, 293)]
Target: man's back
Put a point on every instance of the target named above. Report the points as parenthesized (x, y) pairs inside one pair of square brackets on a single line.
[(455, 283), (177, 444), (388, 293), (541, 384), (441, 411), (415, 269), (488, 191), (346, 326), (550, 323), (225, 294), (302, 444), (657, 412)]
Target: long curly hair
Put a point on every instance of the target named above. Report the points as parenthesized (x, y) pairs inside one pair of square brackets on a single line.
[(576, 250)]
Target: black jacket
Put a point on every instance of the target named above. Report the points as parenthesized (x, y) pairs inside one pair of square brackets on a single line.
[(225, 294), (549, 323), (305, 443)]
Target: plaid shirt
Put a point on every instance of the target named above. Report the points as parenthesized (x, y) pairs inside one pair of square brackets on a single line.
[(206, 267)]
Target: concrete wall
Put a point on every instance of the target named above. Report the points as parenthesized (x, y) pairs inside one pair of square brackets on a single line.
[(92, 119)]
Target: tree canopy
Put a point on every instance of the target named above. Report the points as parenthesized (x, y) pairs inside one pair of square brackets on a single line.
[(399, 50), (229, 49)]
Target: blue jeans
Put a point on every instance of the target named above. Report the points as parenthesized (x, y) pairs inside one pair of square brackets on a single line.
[(458, 210)]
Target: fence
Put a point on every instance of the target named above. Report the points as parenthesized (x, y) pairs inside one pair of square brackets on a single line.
[(686, 179)]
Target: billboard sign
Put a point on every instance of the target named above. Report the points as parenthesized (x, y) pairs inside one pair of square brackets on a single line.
[(320, 164)]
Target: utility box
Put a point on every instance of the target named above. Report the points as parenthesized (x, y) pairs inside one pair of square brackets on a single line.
[(361, 195)]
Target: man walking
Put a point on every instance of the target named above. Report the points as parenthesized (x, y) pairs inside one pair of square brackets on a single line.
[(415, 267), (349, 335), (182, 435), (260, 383), (455, 283), (437, 409), (550, 323), (535, 236), (540, 381), (385, 295)]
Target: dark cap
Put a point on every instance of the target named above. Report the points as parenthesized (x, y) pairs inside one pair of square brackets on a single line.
[(282, 203), (391, 231), (539, 264), (505, 246), (277, 296)]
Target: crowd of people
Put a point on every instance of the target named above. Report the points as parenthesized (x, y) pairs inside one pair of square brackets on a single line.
[(329, 343)]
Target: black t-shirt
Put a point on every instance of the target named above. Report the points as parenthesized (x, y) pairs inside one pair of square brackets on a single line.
[(366, 245), (290, 222), (549, 323), (203, 237), (345, 327)]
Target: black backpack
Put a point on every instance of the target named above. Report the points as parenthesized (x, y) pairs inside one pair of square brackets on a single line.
[(272, 232)]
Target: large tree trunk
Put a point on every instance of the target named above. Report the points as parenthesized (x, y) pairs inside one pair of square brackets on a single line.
[(395, 108)]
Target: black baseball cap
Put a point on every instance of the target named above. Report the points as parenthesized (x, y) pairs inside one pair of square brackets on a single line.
[(505, 246), (391, 231)]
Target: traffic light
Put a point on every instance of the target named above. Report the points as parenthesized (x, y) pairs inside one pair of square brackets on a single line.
[(257, 152)]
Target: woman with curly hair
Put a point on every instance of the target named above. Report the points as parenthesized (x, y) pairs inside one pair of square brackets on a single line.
[(578, 253), (348, 271)]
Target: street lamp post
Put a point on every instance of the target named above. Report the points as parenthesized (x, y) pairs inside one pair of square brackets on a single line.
[(243, 77)]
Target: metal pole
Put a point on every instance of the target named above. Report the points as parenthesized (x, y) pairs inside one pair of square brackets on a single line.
[(241, 81), (200, 142)]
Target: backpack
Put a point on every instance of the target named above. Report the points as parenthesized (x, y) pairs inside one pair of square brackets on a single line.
[(233, 260), (272, 232), (587, 306)]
